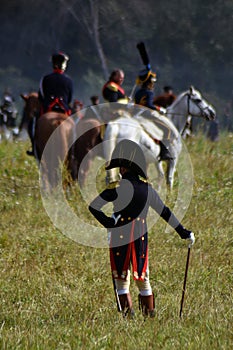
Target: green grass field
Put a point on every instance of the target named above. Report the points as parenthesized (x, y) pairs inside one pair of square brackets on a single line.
[(57, 294)]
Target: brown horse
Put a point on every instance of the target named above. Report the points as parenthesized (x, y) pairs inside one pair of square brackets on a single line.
[(52, 138), (84, 150)]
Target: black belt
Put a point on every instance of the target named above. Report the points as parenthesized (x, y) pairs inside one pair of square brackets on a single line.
[(128, 219)]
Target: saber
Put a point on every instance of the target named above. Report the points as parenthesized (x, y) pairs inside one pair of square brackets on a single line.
[(116, 295), (185, 279), (132, 93)]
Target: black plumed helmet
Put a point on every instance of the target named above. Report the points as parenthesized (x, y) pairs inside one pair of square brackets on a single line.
[(145, 76), (128, 154)]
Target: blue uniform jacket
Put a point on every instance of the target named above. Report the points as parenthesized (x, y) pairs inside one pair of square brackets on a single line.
[(56, 85), (145, 97)]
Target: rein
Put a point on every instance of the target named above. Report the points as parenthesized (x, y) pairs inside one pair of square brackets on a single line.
[(188, 104)]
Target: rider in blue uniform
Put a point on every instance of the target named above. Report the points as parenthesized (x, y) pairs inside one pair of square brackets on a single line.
[(145, 96), (56, 91), (56, 88)]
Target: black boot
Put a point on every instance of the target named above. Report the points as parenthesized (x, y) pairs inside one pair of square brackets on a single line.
[(126, 305), (164, 152), (31, 132), (147, 305), (30, 153)]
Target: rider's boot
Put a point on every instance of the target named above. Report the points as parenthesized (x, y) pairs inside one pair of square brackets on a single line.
[(30, 153), (164, 152)]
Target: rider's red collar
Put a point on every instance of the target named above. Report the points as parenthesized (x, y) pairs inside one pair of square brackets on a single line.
[(60, 71)]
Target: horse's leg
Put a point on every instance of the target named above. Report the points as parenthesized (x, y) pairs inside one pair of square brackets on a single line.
[(160, 173), (84, 168), (171, 167), (85, 152)]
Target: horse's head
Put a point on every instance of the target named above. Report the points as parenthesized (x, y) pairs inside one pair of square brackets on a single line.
[(198, 106), (32, 105)]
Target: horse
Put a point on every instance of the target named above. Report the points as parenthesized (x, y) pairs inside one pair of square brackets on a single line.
[(88, 130), (31, 112), (144, 128), (87, 137), (147, 126), (52, 134)]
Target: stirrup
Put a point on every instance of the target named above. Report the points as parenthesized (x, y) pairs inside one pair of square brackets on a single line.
[(165, 155)]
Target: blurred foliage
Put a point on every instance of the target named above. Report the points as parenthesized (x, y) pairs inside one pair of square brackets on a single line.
[(188, 43)]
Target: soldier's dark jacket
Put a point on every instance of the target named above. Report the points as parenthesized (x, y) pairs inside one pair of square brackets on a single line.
[(129, 237), (112, 92), (145, 97), (56, 85)]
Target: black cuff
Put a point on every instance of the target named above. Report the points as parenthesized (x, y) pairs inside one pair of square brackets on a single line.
[(184, 234)]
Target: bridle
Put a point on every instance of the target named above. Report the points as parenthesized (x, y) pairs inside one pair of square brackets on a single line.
[(198, 103)]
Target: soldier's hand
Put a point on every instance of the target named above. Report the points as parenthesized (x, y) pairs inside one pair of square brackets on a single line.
[(162, 110), (191, 239), (185, 234)]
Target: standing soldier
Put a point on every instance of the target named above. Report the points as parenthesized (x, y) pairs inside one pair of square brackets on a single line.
[(128, 226)]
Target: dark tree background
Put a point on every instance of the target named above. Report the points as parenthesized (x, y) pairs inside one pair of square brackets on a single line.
[(189, 42)]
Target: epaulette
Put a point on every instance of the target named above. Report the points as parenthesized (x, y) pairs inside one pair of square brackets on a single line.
[(143, 179), (112, 87)]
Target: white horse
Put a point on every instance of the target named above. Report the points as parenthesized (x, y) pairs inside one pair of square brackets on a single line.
[(147, 128)]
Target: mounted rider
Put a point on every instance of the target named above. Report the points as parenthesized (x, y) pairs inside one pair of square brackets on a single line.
[(144, 96), (56, 90), (112, 90), (166, 98)]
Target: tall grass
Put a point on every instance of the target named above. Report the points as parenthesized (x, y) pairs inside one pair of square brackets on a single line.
[(57, 294)]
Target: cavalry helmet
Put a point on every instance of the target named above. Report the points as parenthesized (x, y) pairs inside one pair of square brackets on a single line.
[(146, 76), (129, 154), (59, 60)]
